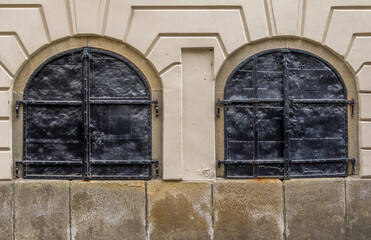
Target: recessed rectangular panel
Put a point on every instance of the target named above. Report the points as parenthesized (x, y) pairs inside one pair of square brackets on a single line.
[(318, 121), (330, 169), (314, 84), (60, 80), (240, 171), (53, 171), (269, 84), (112, 78), (317, 148), (241, 85), (240, 122), (120, 132), (121, 171), (270, 131), (270, 170), (240, 150), (54, 133)]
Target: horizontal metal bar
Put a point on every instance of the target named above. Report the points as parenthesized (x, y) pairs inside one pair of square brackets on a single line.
[(122, 162), (122, 102), (251, 100), (51, 162), (249, 162), (118, 98), (323, 160), (343, 101), (38, 102)]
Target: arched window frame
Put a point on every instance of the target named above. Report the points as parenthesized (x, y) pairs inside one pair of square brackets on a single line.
[(221, 112), (85, 54)]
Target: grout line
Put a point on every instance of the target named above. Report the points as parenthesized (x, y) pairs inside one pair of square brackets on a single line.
[(212, 210), (105, 16), (13, 206), (327, 26), (267, 18), (74, 19), (45, 24), (272, 17), (244, 24), (146, 209), (346, 209), (128, 25), (6, 69), (69, 17), (284, 210), (303, 15), (70, 209), (152, 45), (168, 68)]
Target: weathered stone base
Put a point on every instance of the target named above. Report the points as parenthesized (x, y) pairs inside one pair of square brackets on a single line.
[(225, 209)]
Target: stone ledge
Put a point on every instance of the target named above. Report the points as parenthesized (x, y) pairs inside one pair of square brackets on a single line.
[(6, 210), (315, 208), (179, 210), (358, 208), (248, 209), (108, 210), (42, 209)]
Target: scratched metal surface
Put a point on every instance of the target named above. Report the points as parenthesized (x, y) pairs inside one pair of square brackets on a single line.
[(115, 131), (255, 131)]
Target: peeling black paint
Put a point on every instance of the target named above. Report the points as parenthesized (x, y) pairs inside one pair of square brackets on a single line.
[(118, 131), (255, 130)]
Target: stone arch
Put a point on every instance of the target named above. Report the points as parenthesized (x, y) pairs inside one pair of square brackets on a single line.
[(337, 62), (117, 47)]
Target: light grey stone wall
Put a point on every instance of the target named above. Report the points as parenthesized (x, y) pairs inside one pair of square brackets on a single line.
[(224, 209)]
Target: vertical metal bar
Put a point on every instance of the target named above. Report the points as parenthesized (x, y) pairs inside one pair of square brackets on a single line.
[(255, 110), (86, 111), (286, 113)]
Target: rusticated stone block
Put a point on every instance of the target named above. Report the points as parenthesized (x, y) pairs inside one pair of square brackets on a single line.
[(315, 209), (6, 211), (42, 209), (358, 208), (179, 210), (248, 209), (108, 210)]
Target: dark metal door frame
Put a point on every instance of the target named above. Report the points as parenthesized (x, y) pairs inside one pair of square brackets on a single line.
[(288, 103), (85, 103)]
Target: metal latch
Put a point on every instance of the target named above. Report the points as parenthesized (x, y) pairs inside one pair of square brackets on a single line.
[(351, 102), (353, 162), (17, 104), (155, 102), (17, 164)]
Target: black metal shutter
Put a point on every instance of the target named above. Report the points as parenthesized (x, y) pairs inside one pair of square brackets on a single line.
[(285, 116), (87, 114)]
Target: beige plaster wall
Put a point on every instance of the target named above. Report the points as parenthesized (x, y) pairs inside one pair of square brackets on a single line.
[(160, 29)]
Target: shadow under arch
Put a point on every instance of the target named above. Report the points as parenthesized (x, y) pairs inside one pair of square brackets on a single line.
[(256, 47)]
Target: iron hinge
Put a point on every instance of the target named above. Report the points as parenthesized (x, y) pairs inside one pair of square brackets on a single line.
[(218, 106), (17, 104), (156, 163), (17, 164), (351, 102), (353, 162), (156, 103)]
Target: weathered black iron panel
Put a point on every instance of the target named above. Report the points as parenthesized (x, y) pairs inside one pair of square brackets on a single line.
[(58, 79), (110, 77), (285, 116), (87, 114)]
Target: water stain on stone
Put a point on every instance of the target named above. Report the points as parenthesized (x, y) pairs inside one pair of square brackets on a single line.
[(174, 217)]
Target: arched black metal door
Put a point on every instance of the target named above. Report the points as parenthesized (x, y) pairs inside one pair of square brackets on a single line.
[(87, 114), (285, 116)]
